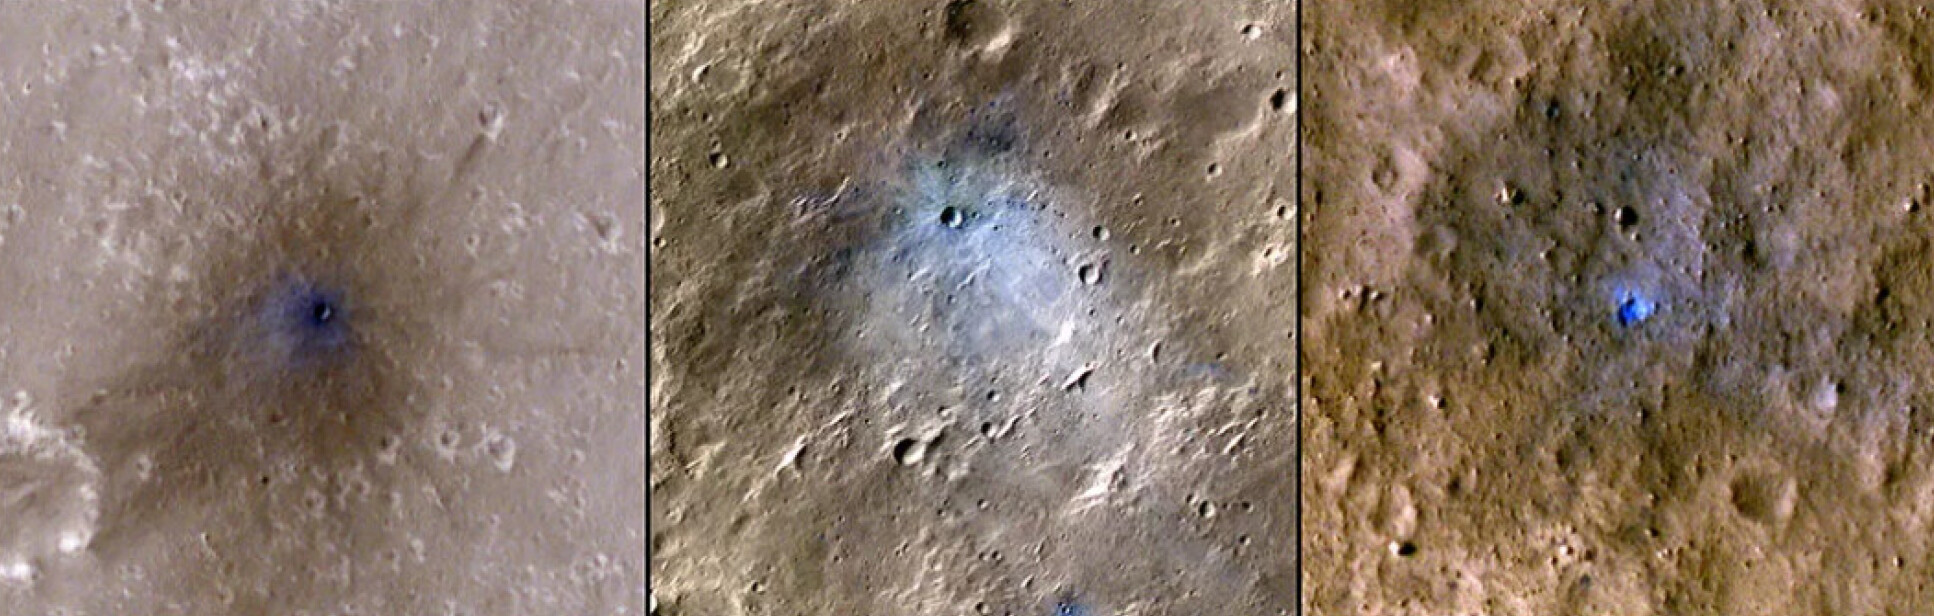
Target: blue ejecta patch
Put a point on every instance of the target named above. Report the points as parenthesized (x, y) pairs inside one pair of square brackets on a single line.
[(1633, 308), (306, 322)]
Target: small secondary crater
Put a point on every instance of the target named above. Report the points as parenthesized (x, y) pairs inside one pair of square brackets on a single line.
[(1627, 218), (909, 452)]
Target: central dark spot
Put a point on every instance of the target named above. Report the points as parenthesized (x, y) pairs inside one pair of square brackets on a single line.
[(317, 309), (321, 311), (308, 321), (1627, 217)]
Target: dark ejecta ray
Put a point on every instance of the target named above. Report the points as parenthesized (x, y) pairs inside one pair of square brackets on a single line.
[(993, 130), (311, 339)]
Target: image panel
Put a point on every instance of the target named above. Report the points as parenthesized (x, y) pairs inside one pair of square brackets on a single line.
[(973, 307), (322, 308), (1617, 308)]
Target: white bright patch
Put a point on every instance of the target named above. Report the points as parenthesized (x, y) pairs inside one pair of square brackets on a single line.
[(990, 284), (17, 571), (72, 541), (48, 500)]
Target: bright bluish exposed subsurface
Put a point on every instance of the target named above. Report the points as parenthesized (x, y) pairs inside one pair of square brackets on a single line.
[(307, 321), (1634, 308), (971, 269)]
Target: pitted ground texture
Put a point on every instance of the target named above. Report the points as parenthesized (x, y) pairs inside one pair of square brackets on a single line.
[(1618, 308), (972, 307)]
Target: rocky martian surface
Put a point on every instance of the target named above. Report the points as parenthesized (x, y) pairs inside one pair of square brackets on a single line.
[(322, 308), (1618, 308), (973, 307)]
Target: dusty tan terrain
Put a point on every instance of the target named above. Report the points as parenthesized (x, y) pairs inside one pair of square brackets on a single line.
[(321, 308), (972, 308), (1618, 308)]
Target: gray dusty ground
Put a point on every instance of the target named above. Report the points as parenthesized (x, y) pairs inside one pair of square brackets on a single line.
[(973, 308), (321, 308), (1618, 308)]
